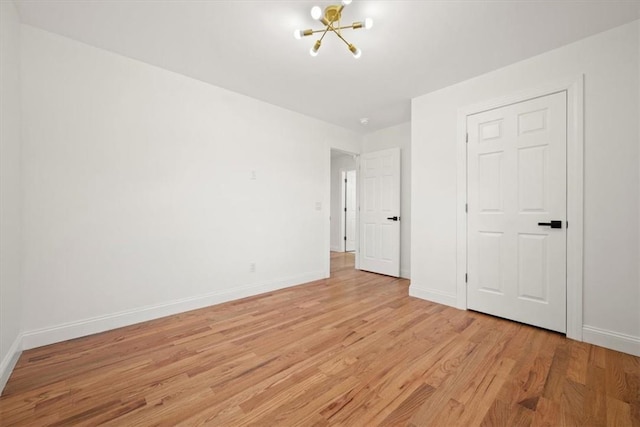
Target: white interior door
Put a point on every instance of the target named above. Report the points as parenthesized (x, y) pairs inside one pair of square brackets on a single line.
[(380, 212), (350, 211), (516, 159)]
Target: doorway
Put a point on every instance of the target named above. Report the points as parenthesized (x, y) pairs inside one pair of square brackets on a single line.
[(343, 208), (374, 221), (573, 88)]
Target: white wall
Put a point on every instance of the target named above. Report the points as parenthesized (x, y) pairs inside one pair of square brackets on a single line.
[(10, 191), (610, 63), (339, 164), (398, 137), (139, 197)]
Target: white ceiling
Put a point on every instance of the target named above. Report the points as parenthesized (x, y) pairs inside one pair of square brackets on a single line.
[(248, 47)]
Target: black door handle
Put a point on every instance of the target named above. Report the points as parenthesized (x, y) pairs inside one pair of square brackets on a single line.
[(394, 218), (552, 224)]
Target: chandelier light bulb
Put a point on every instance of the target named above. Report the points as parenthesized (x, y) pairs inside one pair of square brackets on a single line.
[(368, 23), (315, 48), (346, 2), (357, 53), (297, 34), (316, 12)]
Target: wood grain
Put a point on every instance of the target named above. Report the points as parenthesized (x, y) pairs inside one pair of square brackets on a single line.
[(352, 350)]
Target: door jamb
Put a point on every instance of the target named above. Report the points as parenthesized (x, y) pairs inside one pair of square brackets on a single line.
[(343, 210), (574, 88), (346, 206), (357, 232)]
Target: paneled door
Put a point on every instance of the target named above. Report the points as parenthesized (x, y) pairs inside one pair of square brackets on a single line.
[(380, 212), (517, 209)]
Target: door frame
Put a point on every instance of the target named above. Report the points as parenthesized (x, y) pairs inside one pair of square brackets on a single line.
[(345, 206), (343, 212), (574, 87)]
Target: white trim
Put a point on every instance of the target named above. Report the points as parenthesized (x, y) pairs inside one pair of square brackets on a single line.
[(343, 205), (93, 325), (433, 295), (574, 87), (461, 217), (9, 361), (405, 273), (357, 248), (613, 340), (336, 249), (575, 207), (327, 222)]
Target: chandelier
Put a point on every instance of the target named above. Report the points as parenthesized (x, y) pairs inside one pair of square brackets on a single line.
[(331, 20)]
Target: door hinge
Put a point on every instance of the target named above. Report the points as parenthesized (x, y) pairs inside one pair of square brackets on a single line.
[(466, 139), (567, 224), (345, 238), (466, 278), (466, 207), (345, 180), (345, 209)]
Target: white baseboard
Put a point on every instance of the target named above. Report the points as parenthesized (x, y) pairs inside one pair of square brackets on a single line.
[(94, 325), (336, 249), (613, 340), (9, 361), (433, 295), (405, 273)]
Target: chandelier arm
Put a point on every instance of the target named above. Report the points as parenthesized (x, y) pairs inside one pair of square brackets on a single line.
[(340, 35), (337, 28), (325, 32)]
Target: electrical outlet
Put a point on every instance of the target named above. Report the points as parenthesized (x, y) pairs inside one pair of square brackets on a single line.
[(252, 267)]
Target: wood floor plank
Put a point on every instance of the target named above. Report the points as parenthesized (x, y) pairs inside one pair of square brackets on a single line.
[(350, 350), (578, 357)]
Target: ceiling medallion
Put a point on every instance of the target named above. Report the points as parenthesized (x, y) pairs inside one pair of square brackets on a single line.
[(331, 20)]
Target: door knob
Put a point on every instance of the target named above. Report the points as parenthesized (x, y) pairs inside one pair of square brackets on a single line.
[(394, 218), (552, 224)]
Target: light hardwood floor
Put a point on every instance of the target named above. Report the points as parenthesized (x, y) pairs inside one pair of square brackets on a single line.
[(353, 350)]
